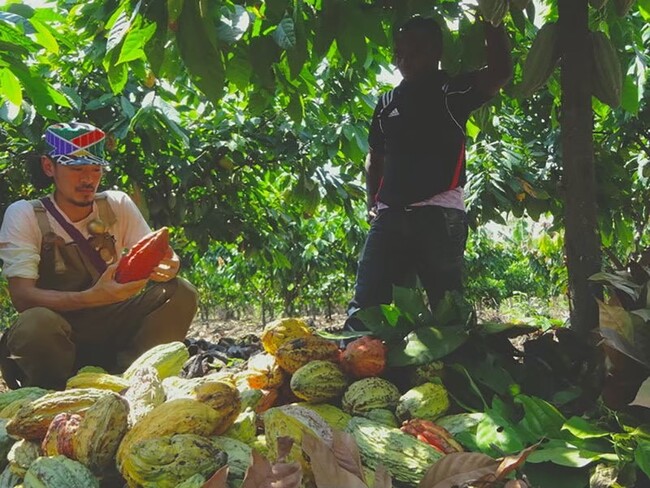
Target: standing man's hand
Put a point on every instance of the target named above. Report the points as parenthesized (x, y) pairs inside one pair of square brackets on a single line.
[(168, 267)]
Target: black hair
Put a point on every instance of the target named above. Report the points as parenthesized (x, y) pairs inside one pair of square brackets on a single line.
[(423, 25), (38, 178)]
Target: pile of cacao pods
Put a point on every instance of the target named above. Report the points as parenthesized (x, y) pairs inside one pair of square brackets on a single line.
[(149, 427)]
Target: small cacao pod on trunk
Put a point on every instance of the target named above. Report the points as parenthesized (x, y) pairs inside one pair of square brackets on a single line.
[(142, 258), (493, 10), (541, 59), (607, 76)]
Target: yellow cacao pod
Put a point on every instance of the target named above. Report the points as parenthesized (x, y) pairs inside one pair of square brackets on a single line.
[(607, 76), (297, 352), (32, 420), (168, 359), (102, 381), (541, 59), (145, 393), (224, 399), (427, 401), (264, 372), (180, 416), (282, 330), (493, 10)]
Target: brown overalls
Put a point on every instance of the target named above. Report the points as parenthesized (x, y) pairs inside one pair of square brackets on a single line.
[(44, 348)]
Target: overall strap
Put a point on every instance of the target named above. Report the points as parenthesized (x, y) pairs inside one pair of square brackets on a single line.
[(41, 217), (106, 213), (83, 244)]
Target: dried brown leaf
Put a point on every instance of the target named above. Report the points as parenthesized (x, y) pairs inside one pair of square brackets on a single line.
[(457, 468), (324, 464), (218, 479), (382, 478), (347, 454), (511, 463), (285, 443)]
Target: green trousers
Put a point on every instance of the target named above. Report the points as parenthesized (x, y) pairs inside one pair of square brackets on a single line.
[(44, 348)]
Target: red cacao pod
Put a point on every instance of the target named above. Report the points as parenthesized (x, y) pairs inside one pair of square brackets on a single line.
[(142, 259)]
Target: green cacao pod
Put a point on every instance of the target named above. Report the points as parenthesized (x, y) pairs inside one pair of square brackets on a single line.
[(607, 76), (426, 373), (622, 7), (164, 462), (244, 428), (334, 416), (12, 400), (405, 457), (428, 401), (541, 60), (6, 441), (21, 456), (382, 416), (295, 353), (9, 479), (318, 381), (369, 394), (493, 10), (57, 472), (32, 420), (196, 481), (294, 421), (239, 457), (167, 359)]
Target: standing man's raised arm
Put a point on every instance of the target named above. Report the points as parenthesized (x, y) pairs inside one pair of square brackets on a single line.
[(374, 174), (499, 63)]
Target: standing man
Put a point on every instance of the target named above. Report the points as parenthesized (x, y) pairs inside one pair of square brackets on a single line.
[(60, 256), (416, 167)]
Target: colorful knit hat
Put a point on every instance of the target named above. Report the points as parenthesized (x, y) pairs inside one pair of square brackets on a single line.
[(76, 143)]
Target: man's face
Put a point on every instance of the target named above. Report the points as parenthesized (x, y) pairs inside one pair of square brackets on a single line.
[(76, 185), (415, 54)]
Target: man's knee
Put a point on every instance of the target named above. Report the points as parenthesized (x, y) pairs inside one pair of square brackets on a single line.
[(38, 322), (186, 295)]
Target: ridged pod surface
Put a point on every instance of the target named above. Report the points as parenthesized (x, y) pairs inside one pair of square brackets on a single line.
[(244, 428), (167, 461), (180, 416), (59, 472), (382, 416), (297, 352), (58, 439), (334, 416), (607, 78), (143, 257), (168, 359), (28, 393), (32, 420), (282, 330), (21, 456), (318, 381), (294, 421), (493, 10), (541, 60), (145, 393), (406, 458), (100, 432), (224, 399), (427, 401), (102, 381), (369, 394), (363, 357), (239, 457), (263, 372)]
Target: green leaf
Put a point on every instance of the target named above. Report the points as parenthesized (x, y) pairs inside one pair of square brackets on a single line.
[(202, 60), (583, 429), (10, 86), (621, 281), (233, 24), (630, 96), (497, 436), (642, 397), (549, 475), (454, 309), (642, 456), (285, 34), (426, 344), (238, 70), (565, 454), (119, 29), (45, 38), (410, 301), (624, 332), (134, 43), (540, 418)]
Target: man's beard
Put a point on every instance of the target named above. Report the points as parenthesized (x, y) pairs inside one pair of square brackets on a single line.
[(82, 204)]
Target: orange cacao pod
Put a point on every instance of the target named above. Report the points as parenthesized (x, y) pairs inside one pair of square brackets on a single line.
[(364, 357)]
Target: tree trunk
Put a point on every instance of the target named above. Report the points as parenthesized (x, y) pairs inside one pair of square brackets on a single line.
[(582, 238)]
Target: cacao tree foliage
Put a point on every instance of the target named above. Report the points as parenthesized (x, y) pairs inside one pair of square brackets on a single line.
[(243, 124)]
